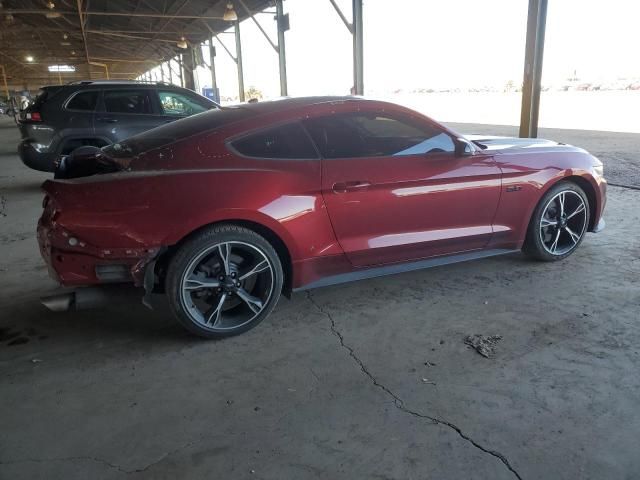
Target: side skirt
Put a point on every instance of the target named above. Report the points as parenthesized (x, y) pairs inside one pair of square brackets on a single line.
[(403, 267)]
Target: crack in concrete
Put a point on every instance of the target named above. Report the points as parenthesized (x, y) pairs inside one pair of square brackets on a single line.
[(65, 459), (97, 460), (398, 402)]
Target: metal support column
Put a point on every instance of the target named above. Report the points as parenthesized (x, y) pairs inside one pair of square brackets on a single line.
[(532, 82), (239, 62), (180, 74), (358, 69), (170, 72), (4, 81), (187, 62), (212, 66), (282, 23)]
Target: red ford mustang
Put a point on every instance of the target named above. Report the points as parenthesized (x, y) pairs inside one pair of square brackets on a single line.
[(226, 210)]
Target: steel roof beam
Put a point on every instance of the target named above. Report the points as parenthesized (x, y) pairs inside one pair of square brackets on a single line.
[(342, 17), (15, 11), (275, 47)]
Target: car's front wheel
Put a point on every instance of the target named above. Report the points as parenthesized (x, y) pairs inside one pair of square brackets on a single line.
[(224, 281), (559, 223)]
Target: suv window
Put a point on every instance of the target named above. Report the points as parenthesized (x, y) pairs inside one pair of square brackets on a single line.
[(83, 101), (127, 101), (372, 135), (285, 141), (174, 103)]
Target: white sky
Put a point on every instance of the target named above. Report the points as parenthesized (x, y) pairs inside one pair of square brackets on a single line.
[(432, 44)]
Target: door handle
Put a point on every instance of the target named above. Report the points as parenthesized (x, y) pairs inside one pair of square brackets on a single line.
[(350, 186), (108, 120)]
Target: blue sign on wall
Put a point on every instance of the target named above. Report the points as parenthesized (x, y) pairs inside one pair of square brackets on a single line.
[(211, 94)]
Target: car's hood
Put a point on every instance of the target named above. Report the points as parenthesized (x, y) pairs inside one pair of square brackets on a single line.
[(496, 144)]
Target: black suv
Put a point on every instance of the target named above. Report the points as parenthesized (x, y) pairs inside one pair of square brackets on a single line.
[(65, 117)]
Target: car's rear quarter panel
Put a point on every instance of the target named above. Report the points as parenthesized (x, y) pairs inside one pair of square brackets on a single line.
[(151, 208)]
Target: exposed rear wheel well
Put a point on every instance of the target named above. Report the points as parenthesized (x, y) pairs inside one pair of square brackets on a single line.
[(591, 197), (162, 263)]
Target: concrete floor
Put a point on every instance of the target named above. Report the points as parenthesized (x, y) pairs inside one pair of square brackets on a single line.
[(367, 380)]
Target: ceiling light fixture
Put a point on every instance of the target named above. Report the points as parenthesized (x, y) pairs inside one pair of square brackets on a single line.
[(29, 58), (62, 68), (65, 36), (51, 5), (230, 14), (182, 43), (53, 14)]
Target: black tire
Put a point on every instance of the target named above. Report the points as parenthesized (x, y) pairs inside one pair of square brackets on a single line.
[(208, 240), (549, 206)]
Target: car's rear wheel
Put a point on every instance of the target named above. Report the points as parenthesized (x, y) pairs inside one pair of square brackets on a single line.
[(559, 223), (224, 281)]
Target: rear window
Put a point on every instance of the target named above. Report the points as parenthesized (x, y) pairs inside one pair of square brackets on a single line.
[(41, 97), (83, 101), (285, 141), (44, 94), (174, 131)]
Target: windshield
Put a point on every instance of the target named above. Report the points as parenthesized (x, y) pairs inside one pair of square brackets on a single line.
[(178, 130)]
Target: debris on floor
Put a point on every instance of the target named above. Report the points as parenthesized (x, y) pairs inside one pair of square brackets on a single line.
[(485, 346), (427, 381)]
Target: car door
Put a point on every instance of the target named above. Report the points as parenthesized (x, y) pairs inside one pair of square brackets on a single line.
[(124, 113), (396, 190)]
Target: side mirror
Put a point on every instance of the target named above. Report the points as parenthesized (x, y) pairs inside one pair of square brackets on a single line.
[(464, 147)]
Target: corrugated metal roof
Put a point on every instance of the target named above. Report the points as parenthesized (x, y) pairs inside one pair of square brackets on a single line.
[(128, 35)]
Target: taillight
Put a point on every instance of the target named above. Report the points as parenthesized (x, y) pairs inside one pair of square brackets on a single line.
[(33, 116)]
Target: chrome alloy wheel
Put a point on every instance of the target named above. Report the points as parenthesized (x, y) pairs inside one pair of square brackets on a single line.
[(563, 222), (227, 285)]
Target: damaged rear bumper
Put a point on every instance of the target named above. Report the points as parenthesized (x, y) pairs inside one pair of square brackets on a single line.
[(73, 261)]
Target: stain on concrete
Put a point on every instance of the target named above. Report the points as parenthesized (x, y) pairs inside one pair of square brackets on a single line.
[(14, 336)]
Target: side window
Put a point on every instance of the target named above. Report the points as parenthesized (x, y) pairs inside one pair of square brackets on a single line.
[(83, 101), (286, 141), (372, 135), (127, 101), (174, 103)]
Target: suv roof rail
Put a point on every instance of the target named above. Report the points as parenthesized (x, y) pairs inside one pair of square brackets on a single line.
[(120, 82)]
